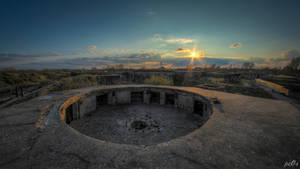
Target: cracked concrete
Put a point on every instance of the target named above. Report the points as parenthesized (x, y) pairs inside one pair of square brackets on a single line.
[(250, 133)]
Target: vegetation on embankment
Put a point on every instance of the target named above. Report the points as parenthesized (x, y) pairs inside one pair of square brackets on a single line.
[(75, 82), (158, 80)]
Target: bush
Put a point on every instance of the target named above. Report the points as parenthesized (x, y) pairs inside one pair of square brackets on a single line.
[(158, 80), (76, 82)]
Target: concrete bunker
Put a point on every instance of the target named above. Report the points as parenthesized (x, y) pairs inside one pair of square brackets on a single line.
[(102, 99), (137, 115), (69, 114), (170, 99), (154, 97), (199, 107), (72, 112), (137, 97)]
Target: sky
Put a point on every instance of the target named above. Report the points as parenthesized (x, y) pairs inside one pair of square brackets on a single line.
[(39, 34)]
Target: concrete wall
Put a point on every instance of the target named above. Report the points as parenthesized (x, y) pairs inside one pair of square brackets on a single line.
[(162, 97), (123, 97), (182, 100), (185, 101), (76, 111), (87, 105), (147, 97)]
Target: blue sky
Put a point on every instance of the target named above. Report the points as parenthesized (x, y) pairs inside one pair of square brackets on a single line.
[(57, 32)]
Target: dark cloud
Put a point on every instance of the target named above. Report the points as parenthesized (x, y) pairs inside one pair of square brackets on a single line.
[(235, 45), (23, 55), (85, 62), (221, 61), (258, 60), (182, 50), (150, 55), (18, 59)]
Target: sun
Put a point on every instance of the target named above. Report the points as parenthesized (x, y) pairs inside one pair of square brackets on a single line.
[(193, 54)]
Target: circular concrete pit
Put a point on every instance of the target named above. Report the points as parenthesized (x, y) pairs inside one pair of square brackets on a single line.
[(136, 115)]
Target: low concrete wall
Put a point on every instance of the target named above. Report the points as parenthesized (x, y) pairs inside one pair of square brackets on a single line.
[(185, 101), (87, 105), (179, 98), (123, 97)]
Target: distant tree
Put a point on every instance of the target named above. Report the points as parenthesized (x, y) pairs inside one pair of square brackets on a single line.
[(294, 64), (248, 65)]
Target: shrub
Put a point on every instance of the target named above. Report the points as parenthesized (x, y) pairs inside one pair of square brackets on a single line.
[(76, 82), (158, 80)]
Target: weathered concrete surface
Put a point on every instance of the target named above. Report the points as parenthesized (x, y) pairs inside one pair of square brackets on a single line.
[(249, 133), (113, 123)]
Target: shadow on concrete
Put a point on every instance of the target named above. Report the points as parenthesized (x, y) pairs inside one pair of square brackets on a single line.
[(219, 107)]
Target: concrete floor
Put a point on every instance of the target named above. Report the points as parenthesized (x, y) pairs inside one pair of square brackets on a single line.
[(114, 123), (249, 133)]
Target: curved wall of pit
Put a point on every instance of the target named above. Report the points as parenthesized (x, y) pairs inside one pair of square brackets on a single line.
[(77, 106)]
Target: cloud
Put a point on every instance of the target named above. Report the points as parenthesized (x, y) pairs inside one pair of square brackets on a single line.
[(110, 52), (257, 60), (144, 64), (137, 59), (290, 54), (221, 61), (285, 56), (92, 47), (183, 41), (157, 37), (182, 50), (277, 61), (9, 55), (235, 45), (14, 59), (143, 58)]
